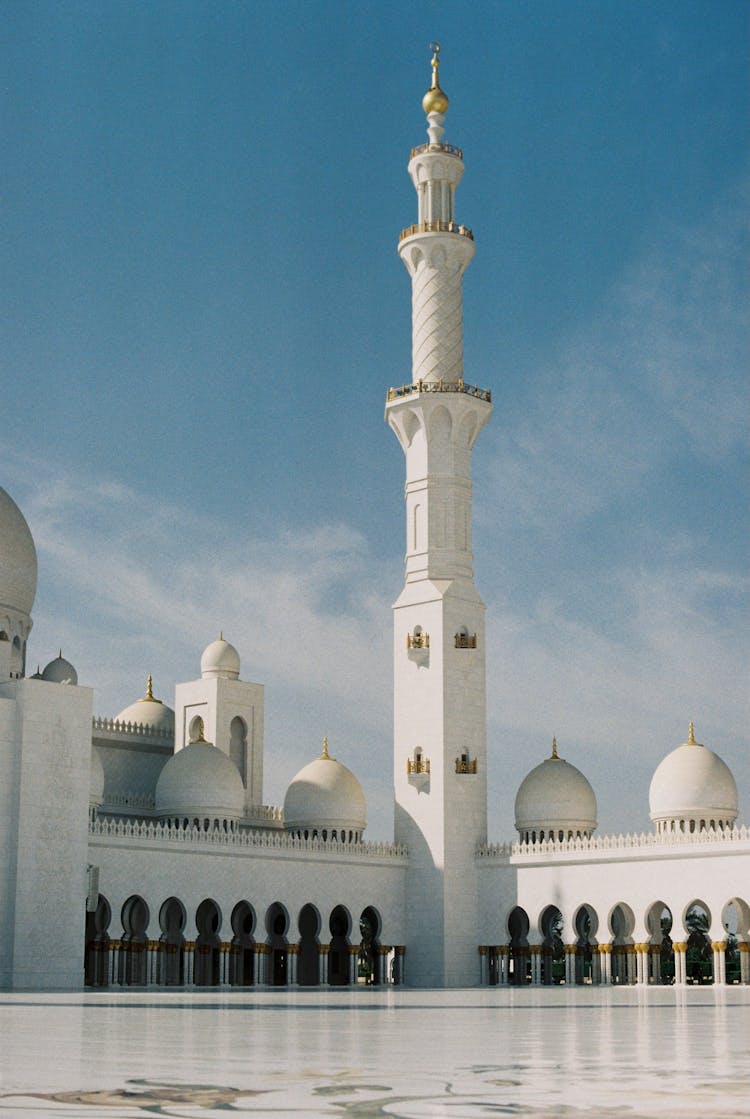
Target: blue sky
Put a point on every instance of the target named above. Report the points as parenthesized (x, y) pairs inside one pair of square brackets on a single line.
[(204, 308)]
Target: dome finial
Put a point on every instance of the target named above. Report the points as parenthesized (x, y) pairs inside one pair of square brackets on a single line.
[(691, 734), (149, 687), (435, 101), (325, 753), (221, 635), (554, 757)]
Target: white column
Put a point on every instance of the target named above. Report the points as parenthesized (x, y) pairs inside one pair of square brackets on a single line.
[(719, 947), (570, 965), (680, 974), (744, 948), (189, 966), (641, 963), (353, 959), (114, 963), (536, 964), (323, 950), (501, 953), (260, 965), (605, 964), (292, 956)]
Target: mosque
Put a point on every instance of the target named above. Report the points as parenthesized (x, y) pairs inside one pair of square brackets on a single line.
[(137, 850)]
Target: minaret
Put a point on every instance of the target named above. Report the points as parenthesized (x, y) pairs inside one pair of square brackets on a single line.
[(440, 752)]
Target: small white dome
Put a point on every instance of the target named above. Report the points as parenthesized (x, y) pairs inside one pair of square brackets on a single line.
[(325, 794), (148, 712), (220, 659), (60, 671), (693, 784), (555, 797), (18, 567), (96, 779), (200, 782)]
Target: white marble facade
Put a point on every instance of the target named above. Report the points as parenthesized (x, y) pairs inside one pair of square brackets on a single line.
[(147, 836)]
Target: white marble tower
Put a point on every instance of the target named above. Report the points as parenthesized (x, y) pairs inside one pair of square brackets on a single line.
[(440, 753)]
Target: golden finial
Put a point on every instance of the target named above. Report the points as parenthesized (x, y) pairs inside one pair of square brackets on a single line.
[(554, 757), (149, 687), (325, 753), (221, 635), (435, 101)]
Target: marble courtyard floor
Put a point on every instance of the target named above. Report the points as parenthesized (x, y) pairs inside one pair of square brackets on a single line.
[(624, 1053)]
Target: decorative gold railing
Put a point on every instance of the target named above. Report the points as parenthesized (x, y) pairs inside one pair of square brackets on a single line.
[(465, 640), (449, 149), (463, 765), (436, 227), (439, 386), (417, 641), (419, 765)]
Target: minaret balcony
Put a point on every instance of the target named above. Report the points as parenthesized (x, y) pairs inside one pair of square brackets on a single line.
[(438, 386), (465, 640), (436, 227), (449, 149), (418, 766), (464, 765), (417, 640)]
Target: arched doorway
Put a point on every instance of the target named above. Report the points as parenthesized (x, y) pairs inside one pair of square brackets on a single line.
[(172, 919), (135, 918), (368, 959), (622, 923), (699, 962), (553, 950), (519, 957), (586, 924), (207, 971), (308, 964), (96, 959), (735, 919), (277, 924), (661, 950), (242, 970), (340, 926)]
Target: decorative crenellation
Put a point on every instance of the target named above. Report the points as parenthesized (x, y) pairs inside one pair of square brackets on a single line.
[(614, 842), (265, 813), (138, 801), (142, 730), (448, 149), (153, 831)]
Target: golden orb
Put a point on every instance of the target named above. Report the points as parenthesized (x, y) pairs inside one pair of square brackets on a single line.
[(435, 101)]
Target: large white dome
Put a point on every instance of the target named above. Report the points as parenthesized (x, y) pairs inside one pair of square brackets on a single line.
[(554, 801), (325, 796), (692, 788), (18, 567), (220, 659), (149, 712), (200, 783)]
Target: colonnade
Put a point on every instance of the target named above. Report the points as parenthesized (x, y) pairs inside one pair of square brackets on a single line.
[(152, 963), (508, 965)]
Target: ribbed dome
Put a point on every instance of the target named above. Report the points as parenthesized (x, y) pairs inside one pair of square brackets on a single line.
[(692, 785), (18, 567), (96, 779), (325, 795), (220, 659), (60, 671), (200, 782), (149, 712), (555, 797)]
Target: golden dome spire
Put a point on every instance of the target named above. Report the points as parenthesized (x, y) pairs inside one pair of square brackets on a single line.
[(435, 101), (554, 757), (325, 753), (149, 687), (691, 734)]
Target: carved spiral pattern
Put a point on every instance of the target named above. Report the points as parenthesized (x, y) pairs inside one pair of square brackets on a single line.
[(437, 324)]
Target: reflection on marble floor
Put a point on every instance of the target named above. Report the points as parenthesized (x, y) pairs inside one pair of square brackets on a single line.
[(624, 1053)]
